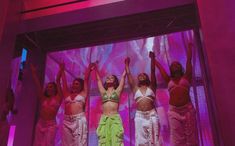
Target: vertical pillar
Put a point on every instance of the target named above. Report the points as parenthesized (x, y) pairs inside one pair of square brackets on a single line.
[(218, 32), (3, 13), (28, 99), (10, 19)]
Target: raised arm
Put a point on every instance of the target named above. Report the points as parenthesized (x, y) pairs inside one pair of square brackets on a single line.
[(163, 72), (58, 83), (64, 80), (86, 78), (153, 75), (122, 83), (99, 81), (37, 82), (188, 72), (130, 78)]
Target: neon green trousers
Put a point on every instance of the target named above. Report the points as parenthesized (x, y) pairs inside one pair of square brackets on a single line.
[(110, 131)]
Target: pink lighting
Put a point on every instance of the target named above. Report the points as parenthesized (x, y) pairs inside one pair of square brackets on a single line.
[(29, 5), (11, 135), (111, 57)]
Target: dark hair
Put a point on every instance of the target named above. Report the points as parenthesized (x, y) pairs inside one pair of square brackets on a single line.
[(81, 81), (54, 85), (116, 83), (147, 81), (182, 69)]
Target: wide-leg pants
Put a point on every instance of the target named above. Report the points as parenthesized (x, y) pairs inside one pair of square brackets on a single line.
[(110, 131), (183, 125), (74, 131), (147, 128), (45, 133)]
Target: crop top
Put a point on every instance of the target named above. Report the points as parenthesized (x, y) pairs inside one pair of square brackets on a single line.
[(53, 103), (113, 97), (183, 83), (149, 94), (78, 98)]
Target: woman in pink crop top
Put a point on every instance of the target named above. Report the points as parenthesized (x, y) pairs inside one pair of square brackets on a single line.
[(74, 131), (50, 101), (146, 118), (182, 115)]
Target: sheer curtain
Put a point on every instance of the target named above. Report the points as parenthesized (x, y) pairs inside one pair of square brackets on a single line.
[(110, 57)]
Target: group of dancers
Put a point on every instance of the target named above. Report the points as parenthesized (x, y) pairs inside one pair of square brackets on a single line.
[(182, 115), (110, 131)]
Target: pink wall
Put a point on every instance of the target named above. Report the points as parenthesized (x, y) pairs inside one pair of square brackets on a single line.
[(218, 19), (3, 12), (10, 19), (9, 28), (27, 102)]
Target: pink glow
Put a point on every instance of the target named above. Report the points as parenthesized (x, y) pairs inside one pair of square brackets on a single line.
[(76, 6), (11, 135), (111, 57)]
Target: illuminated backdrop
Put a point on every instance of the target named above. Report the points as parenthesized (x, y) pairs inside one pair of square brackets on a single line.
[(110, 59)]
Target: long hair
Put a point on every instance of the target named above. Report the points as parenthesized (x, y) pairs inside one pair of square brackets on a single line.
[(55, 87), (146, 82), (182, 69), (116, 83)]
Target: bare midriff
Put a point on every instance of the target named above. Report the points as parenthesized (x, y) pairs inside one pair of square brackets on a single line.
[(110, 108), (74, 108), (179, 97), (48, 113), (145, 105)]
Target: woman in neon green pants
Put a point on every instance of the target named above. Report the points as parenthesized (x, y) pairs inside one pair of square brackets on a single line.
[(110, 130)]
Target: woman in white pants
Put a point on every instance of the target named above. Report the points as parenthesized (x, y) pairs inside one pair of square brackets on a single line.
[(74, 131), (146, 117)]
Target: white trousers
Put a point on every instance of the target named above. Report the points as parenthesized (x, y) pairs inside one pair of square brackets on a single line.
[(74, 132), (147, 128)]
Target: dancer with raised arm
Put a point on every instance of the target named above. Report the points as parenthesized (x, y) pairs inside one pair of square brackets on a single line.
[(146, 118), (50, 101), (182, 115), (110, 130), (74, 132)]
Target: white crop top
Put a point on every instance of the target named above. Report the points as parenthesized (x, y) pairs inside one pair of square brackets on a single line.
[(149, 94), (78, 98)]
